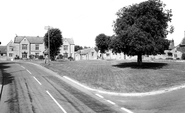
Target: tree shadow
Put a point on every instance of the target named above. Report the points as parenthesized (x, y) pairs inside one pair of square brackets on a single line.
[(5, 78), (145, 65)]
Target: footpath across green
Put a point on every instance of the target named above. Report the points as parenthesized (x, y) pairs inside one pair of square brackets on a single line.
[(122, 76)]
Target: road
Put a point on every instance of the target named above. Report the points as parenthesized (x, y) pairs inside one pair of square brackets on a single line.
[(30, 89)]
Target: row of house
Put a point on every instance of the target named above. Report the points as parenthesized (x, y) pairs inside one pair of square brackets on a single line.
[(174, 52), (24, 46)]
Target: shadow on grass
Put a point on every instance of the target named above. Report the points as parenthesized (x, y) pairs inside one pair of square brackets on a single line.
[(145, 65)]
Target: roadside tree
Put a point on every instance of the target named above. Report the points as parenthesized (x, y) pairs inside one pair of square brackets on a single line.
[(77, 47), (141, 29), (55, 42), (102, 43)]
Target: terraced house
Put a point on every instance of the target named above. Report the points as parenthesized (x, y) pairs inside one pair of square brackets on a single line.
[(23, 46)]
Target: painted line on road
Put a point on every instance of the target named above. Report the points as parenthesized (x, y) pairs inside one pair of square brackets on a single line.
[(23, 67), (99, 95), (37, 80), (111, 102), (128, 94), (28, 71), (56, 102), (128, 111)]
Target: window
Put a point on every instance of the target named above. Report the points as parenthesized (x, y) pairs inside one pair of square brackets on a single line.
[(92, 53), (24, 46), (10, 54), (170, 54), (65, 55), (24, 55), (36, 46), (65, 47), (11, 48)]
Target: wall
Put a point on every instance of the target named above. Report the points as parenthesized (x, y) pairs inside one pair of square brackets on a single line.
[(40, 51), (25, 41)]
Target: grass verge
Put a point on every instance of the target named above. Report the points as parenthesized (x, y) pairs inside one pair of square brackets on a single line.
[(122, 76)]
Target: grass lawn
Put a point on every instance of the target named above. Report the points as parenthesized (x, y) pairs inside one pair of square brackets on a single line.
[(123, 76)]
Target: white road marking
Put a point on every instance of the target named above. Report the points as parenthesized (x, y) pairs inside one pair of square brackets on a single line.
[(37, 80), (111, 102), (99, 95), (128, 111), (128, 94), (28, 71), (23, 67), (56, 102)]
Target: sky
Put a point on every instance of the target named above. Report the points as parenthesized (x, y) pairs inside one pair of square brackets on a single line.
[(81, 20)]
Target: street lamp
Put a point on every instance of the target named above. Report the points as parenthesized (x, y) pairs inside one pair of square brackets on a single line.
[(48, 28)]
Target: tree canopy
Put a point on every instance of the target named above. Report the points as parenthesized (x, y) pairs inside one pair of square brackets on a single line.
[(141, 29), (55, 41), (102, 42), (77, 47)]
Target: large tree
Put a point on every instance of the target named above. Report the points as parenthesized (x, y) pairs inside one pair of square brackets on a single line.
[(102, 42), (55, 41), (77, 47), (141, 29)]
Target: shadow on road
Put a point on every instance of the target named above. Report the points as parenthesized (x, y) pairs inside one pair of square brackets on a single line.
[(145, 65), (5, 78)]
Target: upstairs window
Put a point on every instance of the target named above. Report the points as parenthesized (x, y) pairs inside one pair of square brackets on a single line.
[(65, 47), (36, 46), (11, 48), (24, 46)]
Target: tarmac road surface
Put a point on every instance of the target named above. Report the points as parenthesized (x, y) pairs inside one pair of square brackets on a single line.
[(29, 89)]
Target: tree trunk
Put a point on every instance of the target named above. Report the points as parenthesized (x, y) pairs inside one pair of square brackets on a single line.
[(139, 59), (102, 56)]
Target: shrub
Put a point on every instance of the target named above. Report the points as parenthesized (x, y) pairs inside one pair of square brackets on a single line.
[(70, 58), (31, 56), (16, 57), (60, 56), (183, 56), (41, 57)]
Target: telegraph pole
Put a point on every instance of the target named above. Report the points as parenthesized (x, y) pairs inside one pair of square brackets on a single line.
[(48, 28)]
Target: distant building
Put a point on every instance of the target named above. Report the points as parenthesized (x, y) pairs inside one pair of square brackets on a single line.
[(86, 54), (68, 48), (24, 46), (3, 51), (175, 52)]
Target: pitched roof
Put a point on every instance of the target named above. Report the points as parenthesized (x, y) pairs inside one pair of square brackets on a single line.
[(181, 49), (171, 46), (70, 40), (3, 49), (31, 39), (86, 51), (183, 41)]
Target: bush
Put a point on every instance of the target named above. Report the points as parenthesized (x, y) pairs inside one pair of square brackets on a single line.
[(70, 58), (183, 56), (60, 56), (31, 56), (41, 57), (17, 57), (37, 56)]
